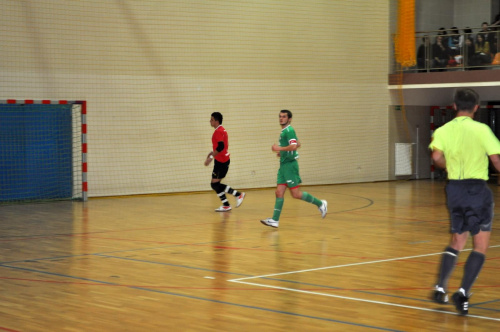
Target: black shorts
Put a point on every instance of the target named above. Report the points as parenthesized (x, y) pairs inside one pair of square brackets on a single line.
[(470, 203), (220, 169)]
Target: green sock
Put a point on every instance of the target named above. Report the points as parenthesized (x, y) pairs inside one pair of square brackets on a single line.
[(311, 199), (277, 208)]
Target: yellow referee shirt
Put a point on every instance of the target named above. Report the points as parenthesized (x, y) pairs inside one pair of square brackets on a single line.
[(466, 145)]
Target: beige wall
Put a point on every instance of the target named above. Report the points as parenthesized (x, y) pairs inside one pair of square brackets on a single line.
[(153, 71)]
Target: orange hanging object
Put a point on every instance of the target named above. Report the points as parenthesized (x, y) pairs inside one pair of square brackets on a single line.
[(405, 37)]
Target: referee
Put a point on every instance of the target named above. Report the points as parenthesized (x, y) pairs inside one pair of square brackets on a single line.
[(462, 147)]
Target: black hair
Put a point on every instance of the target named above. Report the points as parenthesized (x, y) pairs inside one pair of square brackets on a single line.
[(483, 41), (287, 112), (466, 99), (217, 117), (467, 30)]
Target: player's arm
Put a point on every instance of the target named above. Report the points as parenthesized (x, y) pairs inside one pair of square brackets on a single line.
[(438, 158), (293, 145), (211, 155)]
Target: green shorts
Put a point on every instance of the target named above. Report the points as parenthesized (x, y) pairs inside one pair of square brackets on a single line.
[(289, 174)]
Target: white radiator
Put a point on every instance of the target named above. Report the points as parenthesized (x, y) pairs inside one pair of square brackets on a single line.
[(403, 156)]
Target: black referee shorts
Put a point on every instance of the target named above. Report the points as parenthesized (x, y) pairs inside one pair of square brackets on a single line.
[(470, 203), (220, 169)]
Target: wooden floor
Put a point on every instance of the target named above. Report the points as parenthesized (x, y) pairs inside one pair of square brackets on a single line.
[(170, 263)]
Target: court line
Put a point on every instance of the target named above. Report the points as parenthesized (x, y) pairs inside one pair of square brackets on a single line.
[(208, 300), (267, 276), (337, 266), (363, 300), (348, 265), (8, 330)]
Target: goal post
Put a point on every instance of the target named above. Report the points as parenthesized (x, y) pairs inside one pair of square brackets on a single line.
[(43, 150)]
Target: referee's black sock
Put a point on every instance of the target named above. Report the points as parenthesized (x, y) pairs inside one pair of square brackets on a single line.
[(448, 261), (472, 268)]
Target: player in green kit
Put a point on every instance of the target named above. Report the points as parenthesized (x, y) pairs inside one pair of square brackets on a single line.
[(288, 174)]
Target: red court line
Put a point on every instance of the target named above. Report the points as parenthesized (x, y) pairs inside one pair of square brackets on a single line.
[(237, 248), (35, 237), (8, 330)]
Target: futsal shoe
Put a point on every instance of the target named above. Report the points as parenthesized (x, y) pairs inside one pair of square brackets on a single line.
[(270, 222), (323, 208), (461, 302), (439, 295), (223, 208), (240, 199)]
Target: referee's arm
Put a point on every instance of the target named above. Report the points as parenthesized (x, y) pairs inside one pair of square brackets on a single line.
[(495, 160), (438, 158)]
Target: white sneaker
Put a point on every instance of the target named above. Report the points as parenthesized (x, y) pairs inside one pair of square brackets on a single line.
[(323, 208), (270, 222), (240, 199), (223, 208)]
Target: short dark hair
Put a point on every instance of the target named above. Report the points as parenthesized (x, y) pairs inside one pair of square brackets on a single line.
[(466, 99), (287, 113), (217, 117)]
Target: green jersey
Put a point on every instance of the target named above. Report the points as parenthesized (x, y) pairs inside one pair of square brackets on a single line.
[(287, 138), (466, 145)]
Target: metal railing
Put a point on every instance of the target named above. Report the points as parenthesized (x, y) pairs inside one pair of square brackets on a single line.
[(452, 51)]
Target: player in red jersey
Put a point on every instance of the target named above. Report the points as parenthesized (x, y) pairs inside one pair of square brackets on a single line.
[(220, 145)]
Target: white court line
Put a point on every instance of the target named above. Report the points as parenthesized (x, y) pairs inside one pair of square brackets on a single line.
[(239, 280), (336, 266), (363, 300), (346, 265)]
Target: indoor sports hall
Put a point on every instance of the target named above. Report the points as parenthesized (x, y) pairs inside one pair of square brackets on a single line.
[(107, 218)]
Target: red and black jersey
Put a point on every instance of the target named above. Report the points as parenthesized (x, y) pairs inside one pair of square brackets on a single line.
[(220, 135)]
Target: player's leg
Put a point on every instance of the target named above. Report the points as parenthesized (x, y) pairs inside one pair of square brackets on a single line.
[(218, 173), (227, 189), (291, 171), (305, 196), (278, 203), (280, 199), (239, 195)]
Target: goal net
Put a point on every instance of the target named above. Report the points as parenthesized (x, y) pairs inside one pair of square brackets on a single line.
[(42, 150)]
